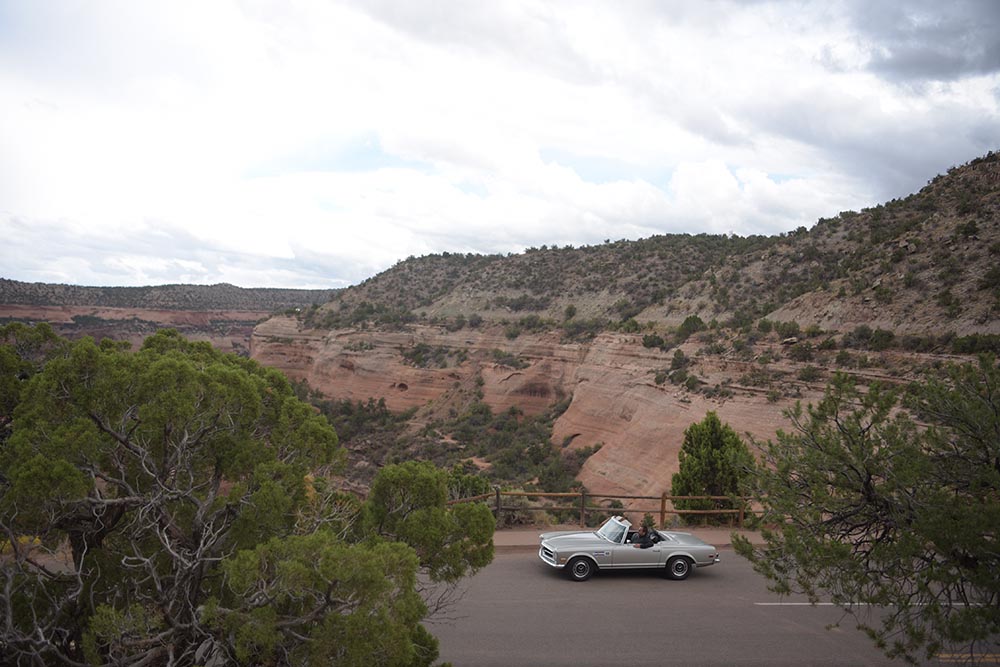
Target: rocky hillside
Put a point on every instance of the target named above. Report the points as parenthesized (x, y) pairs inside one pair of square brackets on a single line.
[(161, 297), (221, 314), (640, 339), (911, 264)]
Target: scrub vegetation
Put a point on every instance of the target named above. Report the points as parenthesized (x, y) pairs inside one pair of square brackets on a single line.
[(177, 505)]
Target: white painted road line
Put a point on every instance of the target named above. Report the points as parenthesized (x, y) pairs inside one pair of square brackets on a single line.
[(807, 604)]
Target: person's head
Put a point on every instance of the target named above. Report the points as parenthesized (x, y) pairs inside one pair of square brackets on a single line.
[(643, 530)]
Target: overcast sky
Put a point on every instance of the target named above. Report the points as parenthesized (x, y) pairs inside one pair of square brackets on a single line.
[(315, 143)]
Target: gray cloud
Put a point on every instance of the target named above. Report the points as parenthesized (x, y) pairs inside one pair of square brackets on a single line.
[(47, 251), (534, 34), (929, 39)]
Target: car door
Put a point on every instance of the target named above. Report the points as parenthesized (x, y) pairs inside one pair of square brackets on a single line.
[(626, 555)]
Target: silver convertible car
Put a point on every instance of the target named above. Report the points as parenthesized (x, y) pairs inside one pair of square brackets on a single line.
[(611, 547)]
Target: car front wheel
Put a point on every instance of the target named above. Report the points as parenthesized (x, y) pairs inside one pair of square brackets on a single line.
[(580, 569), (678, 567)]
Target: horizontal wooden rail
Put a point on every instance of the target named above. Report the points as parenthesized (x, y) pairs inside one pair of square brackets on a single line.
[(583, 507)]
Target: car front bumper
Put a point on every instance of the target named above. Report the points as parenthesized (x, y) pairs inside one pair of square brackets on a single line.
[(548, 556)]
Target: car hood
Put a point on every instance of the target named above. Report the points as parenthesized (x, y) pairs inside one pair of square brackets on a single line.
[(572, 539)]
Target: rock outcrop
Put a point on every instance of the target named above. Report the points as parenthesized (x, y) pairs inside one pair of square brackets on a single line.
[(358, 364), (610, 382), (227, 330)]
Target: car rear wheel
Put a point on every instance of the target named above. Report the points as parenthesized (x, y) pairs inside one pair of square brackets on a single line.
[(580, 569), (678, 567)]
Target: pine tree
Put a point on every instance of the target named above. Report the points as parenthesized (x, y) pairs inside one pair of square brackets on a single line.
[(714, 461)]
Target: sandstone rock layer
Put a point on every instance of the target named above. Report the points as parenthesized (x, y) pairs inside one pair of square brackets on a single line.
[(614, 400)]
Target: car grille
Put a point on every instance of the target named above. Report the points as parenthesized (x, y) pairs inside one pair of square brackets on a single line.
[(547, 555)]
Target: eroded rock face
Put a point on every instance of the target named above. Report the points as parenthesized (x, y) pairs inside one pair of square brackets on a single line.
[(227, 330), (640, 424), (615, 401), (357, 365)]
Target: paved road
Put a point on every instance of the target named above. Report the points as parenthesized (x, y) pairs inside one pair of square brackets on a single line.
[(518, 611)]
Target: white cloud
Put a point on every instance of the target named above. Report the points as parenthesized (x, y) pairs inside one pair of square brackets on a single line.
[(315, 143)]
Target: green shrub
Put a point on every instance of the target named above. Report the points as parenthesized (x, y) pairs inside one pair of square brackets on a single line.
[(913, 343), (715, 348), (951, 303), (809, 374), (787, 329), (629, 326), (690, 325), (652, 340), (423, 355), (579, 330), (881, 340), (990, 279), (976, 344), (509, 359)]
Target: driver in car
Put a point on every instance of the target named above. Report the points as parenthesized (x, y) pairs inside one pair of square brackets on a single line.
[(643, 540)]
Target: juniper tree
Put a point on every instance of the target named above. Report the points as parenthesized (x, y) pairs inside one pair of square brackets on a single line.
[(714, 461), (893, 515), (173, 505)]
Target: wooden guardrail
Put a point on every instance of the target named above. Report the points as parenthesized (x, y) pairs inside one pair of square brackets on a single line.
[(581, 504)]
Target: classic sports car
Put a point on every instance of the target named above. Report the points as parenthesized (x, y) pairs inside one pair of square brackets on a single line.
[(581, 553)]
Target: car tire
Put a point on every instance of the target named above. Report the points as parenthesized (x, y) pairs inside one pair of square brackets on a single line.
[(580, 569), (678, 567)]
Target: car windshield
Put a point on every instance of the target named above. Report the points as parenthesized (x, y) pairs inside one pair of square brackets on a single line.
[(612, 531)]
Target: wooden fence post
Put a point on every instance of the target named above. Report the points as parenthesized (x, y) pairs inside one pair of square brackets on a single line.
[(499, 507), (583, 509), (663, 510)]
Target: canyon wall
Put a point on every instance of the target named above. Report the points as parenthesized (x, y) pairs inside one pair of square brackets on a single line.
[(226, 329), (610, 381)]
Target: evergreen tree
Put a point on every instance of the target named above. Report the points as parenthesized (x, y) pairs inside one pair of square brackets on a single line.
[(175, 505), (714, 461), (874, 510)]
